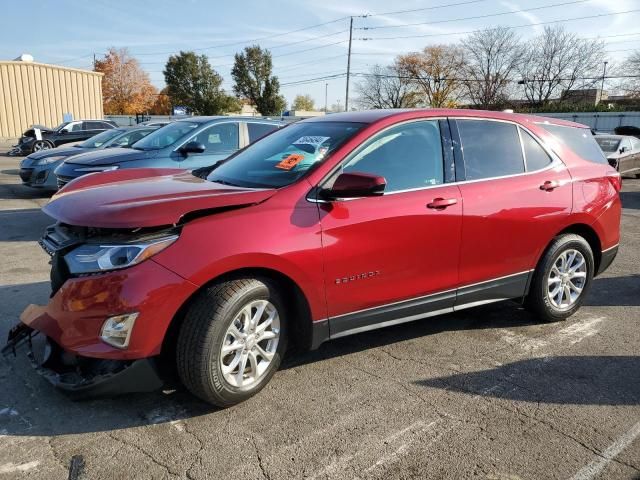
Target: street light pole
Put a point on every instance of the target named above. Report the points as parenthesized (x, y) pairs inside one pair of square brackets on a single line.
[(346, 96), (326, 87)]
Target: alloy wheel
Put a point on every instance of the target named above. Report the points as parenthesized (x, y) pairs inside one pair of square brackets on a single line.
[(567, 278), (250, 343)]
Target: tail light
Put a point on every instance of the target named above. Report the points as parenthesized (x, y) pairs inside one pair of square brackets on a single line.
[(615, 179)]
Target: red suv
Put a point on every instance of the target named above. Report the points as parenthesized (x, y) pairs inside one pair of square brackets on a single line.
[(329, 227)]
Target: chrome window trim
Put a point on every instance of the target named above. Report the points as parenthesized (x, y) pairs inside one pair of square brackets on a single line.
[(556, 161), (210, 125)]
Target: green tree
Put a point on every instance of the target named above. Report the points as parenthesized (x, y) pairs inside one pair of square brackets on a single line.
[(193, 83), (253, 80), (303, 102)]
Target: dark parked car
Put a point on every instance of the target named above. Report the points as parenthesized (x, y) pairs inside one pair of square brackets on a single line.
[(329, 227), (190, 143), (623, 153), (37, 169), (66, 132)]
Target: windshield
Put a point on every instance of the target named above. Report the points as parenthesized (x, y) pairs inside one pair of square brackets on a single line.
[(99, 140), (61, 126), (165, 136), (284, 156), (608, 144)]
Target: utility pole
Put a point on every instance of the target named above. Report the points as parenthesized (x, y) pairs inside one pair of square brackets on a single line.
[(94, 61), (604, 74), (346, 96), (326, 87)]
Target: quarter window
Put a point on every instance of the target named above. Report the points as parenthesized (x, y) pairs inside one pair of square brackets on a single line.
[(408, 156), (579, 140), (490, 149), (535, 155)]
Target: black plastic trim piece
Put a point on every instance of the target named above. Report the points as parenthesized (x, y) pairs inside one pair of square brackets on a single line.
[(319, 333), (607, 259), (338, 326), (513, 286)]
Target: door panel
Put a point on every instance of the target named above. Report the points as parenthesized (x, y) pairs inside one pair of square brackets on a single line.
[(386, 249), (401, 248), (508, 221)]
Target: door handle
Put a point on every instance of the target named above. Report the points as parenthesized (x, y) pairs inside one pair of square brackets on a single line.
[(441, 203), (549, 185)]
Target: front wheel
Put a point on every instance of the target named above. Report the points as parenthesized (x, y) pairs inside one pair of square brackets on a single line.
[(39, 145), (232, 341), (562, 279)]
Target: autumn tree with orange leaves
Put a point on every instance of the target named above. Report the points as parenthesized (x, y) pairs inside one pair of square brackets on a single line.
[(435, 72), (126, 89)]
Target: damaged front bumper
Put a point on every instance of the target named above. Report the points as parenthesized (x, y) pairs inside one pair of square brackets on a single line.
[(82, 377)]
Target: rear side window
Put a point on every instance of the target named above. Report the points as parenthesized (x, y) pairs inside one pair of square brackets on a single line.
[(579, 140), (490, 149), (534, 154), (93, 126), (259, 130)]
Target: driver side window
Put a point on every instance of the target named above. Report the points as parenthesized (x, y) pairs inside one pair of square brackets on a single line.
[(219, 138), (408, 156)]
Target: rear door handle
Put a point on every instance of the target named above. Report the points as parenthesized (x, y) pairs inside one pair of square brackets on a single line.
[(441, 203), (549, 185)]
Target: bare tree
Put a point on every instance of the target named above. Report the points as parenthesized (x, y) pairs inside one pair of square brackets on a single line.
[(436, 72), (631, 86), (385, 87), (492, 57), (556, 60)]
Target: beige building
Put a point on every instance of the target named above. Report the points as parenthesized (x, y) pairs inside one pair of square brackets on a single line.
[(36, 93)]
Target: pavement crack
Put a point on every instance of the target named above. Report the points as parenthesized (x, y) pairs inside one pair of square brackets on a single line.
[(265, 472), (197, 456), (138, 448)]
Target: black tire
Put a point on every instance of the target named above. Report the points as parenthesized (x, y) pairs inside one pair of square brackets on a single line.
[(537, 301), (39, 145), (204, 330)]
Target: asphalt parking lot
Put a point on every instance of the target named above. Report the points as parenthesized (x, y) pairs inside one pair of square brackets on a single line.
[(484, 393)]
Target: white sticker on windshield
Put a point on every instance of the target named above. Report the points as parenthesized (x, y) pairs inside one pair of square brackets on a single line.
[(311, 140)]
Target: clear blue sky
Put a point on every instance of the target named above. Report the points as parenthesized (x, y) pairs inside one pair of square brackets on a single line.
[(71, 31)]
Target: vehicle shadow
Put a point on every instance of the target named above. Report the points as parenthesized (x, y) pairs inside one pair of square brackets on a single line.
[(23, 225), (575, 380), (630, 200), (621, 291), (17, 191)]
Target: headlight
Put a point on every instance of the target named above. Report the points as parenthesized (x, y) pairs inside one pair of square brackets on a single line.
[(46, 160), (105, 168), (90, 258)]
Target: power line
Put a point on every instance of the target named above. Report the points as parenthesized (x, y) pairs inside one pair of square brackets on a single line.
[(252, 40), (435, 7), (476, 17), (509, 27)]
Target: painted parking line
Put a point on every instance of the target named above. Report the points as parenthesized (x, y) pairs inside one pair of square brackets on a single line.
[(593, 469)]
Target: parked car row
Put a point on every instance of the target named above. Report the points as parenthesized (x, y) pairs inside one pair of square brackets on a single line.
[(189, 144), (623, 153), (326, 228)]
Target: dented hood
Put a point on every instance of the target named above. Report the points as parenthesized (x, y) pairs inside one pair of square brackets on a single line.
[(144, 197)]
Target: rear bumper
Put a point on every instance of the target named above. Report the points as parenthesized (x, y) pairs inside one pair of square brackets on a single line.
[(607, 258)]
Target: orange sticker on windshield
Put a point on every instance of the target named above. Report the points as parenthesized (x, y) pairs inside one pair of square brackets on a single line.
[(290, 161)]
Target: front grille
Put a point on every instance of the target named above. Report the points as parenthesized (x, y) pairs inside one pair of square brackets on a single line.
[(56, 241), (62, 180)]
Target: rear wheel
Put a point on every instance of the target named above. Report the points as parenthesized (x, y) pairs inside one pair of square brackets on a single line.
[(232, 341), (562, 279), (39, 145)]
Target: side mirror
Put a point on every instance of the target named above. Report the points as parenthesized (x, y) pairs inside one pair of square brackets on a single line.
[(192, 147), (622, 150), (355, 185)]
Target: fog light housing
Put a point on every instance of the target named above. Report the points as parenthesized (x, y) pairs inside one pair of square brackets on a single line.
[(116, 330)]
